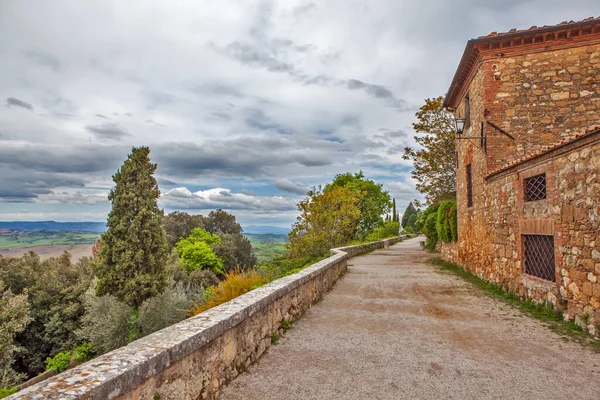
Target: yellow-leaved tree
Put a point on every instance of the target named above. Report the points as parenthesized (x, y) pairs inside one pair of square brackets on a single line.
[(327, 219)]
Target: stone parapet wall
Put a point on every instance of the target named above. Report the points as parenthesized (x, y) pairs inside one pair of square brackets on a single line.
[(196, 357)]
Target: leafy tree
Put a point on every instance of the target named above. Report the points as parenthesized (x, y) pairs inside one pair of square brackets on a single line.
[(235, 250), (55, 288), (179, 225), (221, 221), (408, 213), (196, 251), (373, 201), (327, 219), (435, 162), (134, 249), (14, 317)]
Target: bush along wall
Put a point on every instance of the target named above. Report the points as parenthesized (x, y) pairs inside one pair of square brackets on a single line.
[(446, 224), (426, 221)]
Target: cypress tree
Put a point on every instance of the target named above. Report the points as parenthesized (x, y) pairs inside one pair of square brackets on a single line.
[(131, 265), (410, 210), (394, 216)]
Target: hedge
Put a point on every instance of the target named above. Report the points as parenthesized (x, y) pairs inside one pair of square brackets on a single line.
[(446, 224)]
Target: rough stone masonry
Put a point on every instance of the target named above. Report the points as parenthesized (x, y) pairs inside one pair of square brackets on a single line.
[(532, 99)]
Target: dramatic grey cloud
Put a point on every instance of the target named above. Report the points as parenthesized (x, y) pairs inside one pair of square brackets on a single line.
[(244, 105), (291, 187), (11, 101), (107, 131)]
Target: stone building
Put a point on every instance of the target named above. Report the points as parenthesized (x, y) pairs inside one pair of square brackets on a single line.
[(528, 177)]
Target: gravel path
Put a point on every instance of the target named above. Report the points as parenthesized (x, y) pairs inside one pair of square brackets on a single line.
[(395, 328)]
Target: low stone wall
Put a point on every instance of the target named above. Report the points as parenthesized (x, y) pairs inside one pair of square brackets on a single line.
[(196, 357), (448, 251)]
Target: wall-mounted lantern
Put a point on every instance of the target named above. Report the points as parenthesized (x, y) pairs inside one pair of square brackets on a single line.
[(460, 125)]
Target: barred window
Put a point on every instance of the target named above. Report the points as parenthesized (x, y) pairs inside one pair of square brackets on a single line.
[(535, 187), (469, 186), (538, 256)]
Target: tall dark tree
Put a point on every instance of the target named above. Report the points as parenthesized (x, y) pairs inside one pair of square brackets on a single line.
[(394, 215), (408, 213), (435, 161), (134, 251), (180, 224)]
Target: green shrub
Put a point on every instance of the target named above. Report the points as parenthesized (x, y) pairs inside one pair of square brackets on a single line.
[(105, 322), (5, 392), (83, 352), (444, 221), (432, 237), (386, 230), (204, 278), (59, 362), (453, 216), (284, 265)]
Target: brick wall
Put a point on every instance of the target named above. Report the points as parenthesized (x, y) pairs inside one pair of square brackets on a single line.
[(540, 97)]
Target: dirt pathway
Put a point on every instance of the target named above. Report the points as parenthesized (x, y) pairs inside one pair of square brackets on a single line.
[(396, 328)]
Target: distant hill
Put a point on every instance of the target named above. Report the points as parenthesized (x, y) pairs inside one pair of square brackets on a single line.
[(96, 227), (262, 229), (99, 227)]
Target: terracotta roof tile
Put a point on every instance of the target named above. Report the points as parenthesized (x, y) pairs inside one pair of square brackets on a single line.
[(546, 148), (535, 28)]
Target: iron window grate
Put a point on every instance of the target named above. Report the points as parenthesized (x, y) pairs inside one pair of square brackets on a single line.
[(469, 186), (538, 251), (535, 187)]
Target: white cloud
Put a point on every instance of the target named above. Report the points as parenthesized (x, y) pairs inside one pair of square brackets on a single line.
[(183, 198)]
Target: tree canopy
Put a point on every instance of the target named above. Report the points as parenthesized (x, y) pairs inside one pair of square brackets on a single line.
[(373, 201), (196, 252), (14, 317), (327, 219), (435, 162), (221, 221), (179, 224)]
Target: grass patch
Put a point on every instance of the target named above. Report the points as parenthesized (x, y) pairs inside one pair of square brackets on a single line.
[(274, 339), (549, 316), (286, 325)]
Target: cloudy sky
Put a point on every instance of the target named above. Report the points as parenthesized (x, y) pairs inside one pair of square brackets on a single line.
[(244, 104)]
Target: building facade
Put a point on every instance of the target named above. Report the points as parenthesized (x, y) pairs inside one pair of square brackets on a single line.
[(528, 177)]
